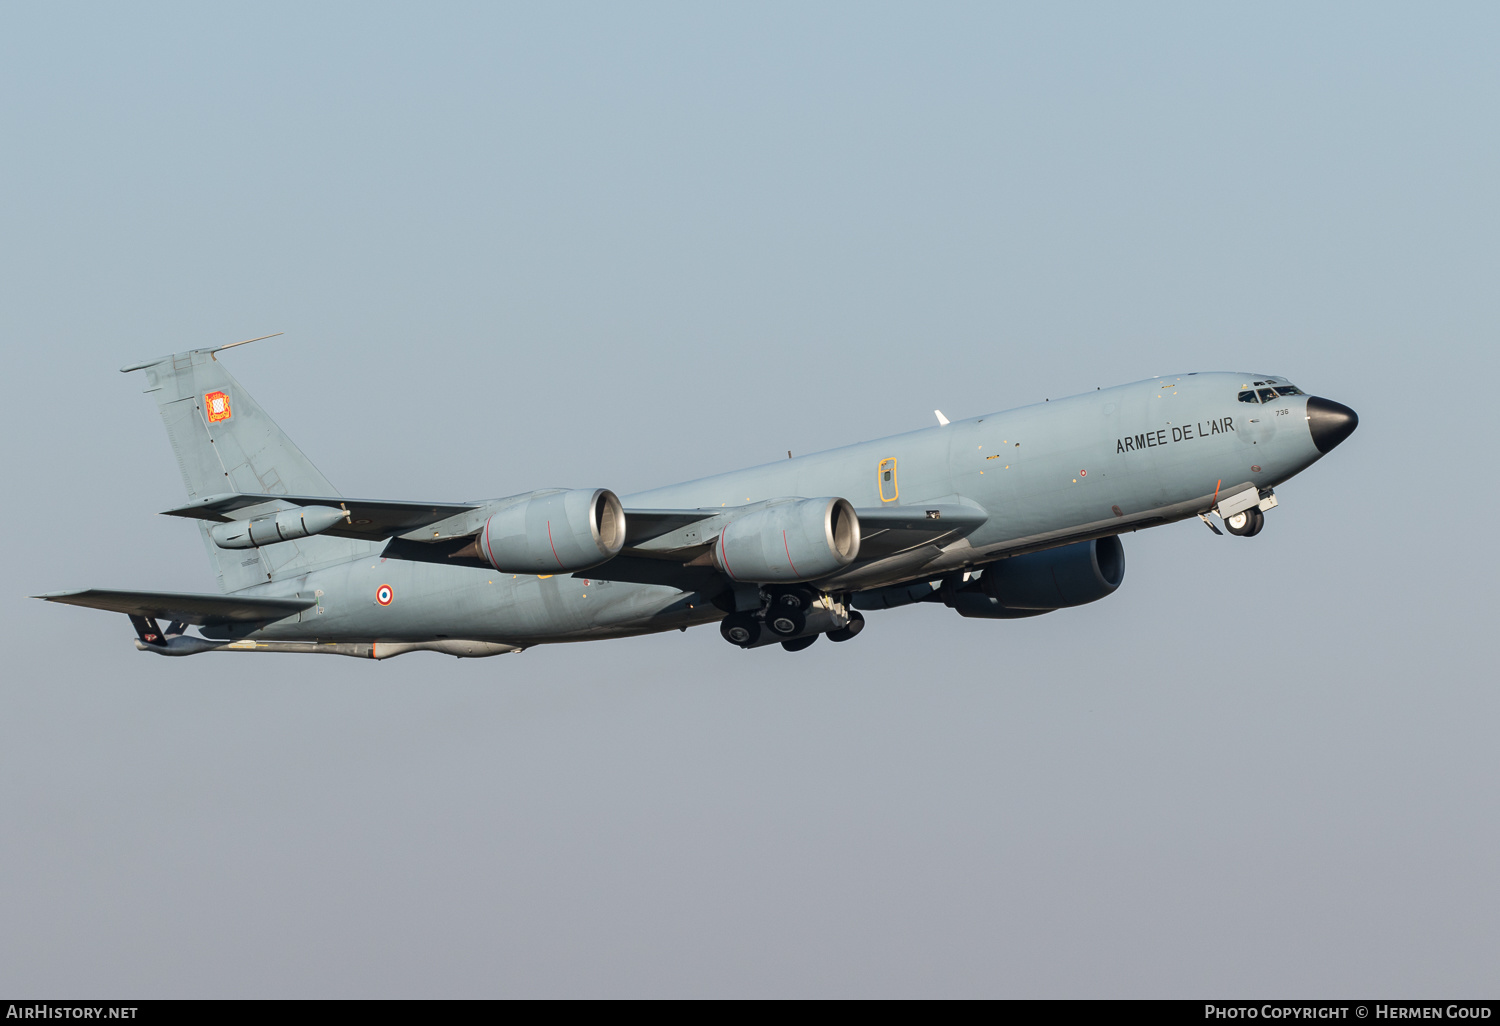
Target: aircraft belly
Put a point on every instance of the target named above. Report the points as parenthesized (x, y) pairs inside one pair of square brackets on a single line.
[(400, 600)]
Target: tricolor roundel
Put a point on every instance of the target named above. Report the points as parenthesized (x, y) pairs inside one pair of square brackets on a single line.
[(384, 595), (216, 405)]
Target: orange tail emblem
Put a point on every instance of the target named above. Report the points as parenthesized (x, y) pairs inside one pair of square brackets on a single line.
[(216, 404)]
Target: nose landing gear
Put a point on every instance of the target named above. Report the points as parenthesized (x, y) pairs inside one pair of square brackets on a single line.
[(1244, 513), (1246, 523)]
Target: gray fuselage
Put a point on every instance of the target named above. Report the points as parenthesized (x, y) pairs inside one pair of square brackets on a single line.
[(1101, 463)]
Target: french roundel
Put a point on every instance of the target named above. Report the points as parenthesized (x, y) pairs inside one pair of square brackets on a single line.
[(384, 595)]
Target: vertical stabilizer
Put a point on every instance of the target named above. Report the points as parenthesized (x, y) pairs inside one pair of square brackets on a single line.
[(224, 442)]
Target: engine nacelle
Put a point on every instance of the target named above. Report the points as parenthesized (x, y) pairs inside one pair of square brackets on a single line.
[(796, 541), (1040, 582), (284, 525), (1072, 575), (554, 532)]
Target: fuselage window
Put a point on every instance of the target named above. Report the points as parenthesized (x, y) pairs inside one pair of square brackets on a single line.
[(1248, 397)]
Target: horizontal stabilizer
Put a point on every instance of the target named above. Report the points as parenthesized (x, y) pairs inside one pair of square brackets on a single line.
[(201, 610), (370, 519)]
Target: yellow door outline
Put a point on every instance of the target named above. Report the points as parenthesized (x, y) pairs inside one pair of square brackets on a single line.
[(885, 476)]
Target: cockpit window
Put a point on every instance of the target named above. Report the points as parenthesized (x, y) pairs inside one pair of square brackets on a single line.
[(1267, 394), (1289, 390), (1248, 397)]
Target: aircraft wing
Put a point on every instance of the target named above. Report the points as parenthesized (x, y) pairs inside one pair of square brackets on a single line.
[(666, 533), (887, 530), (644, 525), (658, 544), (369, 519), (201, 610), (671, 546)]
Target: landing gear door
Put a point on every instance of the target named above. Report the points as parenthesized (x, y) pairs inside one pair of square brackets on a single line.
[(1239, 501)]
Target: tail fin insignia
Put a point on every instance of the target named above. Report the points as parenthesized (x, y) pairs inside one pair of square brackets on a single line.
[(217, 405)]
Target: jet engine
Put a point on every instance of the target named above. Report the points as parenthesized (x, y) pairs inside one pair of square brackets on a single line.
[(554, 532), (1039, 582), (800, 540)]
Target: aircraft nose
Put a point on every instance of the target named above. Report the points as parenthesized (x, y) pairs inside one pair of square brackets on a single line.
[(1329, 422)]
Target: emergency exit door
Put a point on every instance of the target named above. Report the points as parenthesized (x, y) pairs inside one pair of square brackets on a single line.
[(888, 489)]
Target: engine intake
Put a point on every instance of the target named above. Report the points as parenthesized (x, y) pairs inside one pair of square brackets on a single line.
[(552, 532), (800, 540)]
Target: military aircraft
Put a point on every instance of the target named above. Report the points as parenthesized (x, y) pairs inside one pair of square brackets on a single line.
[(1003, 516)]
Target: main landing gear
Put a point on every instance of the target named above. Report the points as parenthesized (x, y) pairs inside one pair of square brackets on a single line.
[(740, 629), (856, 624), (786, 612), (793, 617)]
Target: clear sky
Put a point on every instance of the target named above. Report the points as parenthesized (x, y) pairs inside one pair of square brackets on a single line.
[(626, 245)]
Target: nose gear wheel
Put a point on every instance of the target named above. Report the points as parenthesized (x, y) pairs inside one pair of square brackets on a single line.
[(1246, 523)]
